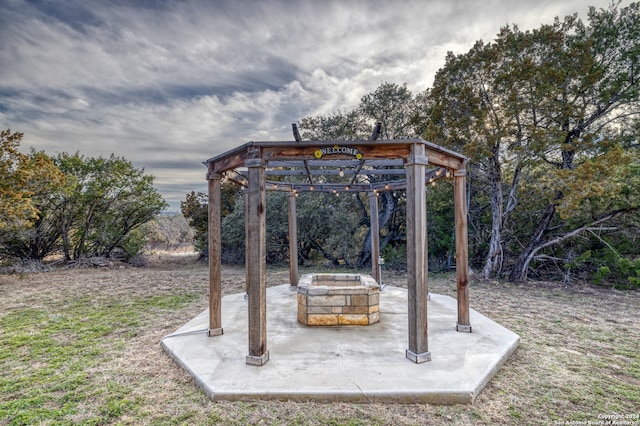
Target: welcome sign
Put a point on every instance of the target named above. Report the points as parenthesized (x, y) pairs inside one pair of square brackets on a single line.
[(337, 150)]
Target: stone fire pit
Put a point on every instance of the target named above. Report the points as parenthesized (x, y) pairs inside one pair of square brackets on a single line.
[(338, 299)]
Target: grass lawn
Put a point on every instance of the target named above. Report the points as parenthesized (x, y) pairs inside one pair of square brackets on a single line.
[(81, 346)]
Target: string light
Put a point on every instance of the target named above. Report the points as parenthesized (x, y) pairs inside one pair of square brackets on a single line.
[(341, 172)]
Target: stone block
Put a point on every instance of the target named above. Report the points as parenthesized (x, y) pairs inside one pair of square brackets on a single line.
[(353, 319), (302, 299), (344, 277), (355, 310), (374, 299), (320, 310), (369, 281), (302, 317), (317, 291), (347, 290), (360, 300), (373, 308), (326, 300), (322, 319)]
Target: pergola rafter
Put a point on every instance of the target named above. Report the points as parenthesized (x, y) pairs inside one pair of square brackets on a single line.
[(368, 166)]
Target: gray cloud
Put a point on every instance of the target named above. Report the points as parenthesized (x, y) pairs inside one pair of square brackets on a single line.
[(169, 84)]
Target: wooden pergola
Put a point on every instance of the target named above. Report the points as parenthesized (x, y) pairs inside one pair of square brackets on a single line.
[(337, 166)]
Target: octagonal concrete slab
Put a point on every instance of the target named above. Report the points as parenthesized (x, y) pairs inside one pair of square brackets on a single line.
[(344, 363)]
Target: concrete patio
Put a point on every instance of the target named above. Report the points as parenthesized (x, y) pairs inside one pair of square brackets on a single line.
[(343, 363)]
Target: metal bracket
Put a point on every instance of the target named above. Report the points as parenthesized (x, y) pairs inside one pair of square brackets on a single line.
[(463, 328), (419, 358), (258, 360)]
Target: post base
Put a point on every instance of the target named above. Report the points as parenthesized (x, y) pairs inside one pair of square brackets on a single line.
[(215, 332), (419, 358), (463, 328), (258, 360), (293, 288)]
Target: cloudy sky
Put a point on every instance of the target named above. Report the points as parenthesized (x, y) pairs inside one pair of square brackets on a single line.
[(169, 84)]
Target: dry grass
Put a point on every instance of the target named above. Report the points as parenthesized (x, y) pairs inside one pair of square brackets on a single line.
[(578, 357)]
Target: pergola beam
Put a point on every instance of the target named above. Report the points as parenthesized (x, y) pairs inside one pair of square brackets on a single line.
[(377, 130), (296, 133), (333, 172), (298, 138), (374, 135), (371, 150), (431, 176), (337, 163)]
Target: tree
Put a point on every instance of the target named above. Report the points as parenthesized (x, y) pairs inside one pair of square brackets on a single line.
[(482, 106), (595, 93), (28, 186), (195, 208), (396, 108), (393, 106), (81, 206), (329, 225), (168, 233), (104, 201), (16, 206), (349, 125), (537, 112)]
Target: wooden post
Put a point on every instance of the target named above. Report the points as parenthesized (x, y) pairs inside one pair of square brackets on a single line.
[(293, 242), (245, 196), (215, 250), (418, 289), (375, 236), (256, 262), (462, 266)]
